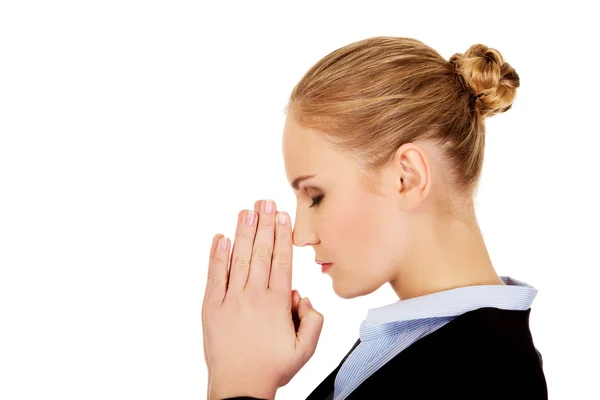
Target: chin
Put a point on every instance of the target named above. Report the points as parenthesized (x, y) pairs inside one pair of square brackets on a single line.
[(350, 291)]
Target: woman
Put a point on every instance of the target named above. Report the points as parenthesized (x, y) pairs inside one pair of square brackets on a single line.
[(383, 145)]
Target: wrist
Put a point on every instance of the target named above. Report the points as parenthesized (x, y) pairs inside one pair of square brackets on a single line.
[(237, 386)]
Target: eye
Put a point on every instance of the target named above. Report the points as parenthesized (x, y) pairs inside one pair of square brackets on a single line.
[(316, 200)]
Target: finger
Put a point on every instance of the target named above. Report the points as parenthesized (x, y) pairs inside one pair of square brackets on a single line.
[(216, 283), (262, 253), (207, 290), (295, 303), (311, 324), (242, 249), (213, 247), (281, 270), (295, 299)]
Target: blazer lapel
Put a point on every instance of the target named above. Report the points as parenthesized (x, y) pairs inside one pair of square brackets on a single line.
[(326, 388)]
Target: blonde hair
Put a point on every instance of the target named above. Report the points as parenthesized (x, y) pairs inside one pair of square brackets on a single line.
[(372, 96)]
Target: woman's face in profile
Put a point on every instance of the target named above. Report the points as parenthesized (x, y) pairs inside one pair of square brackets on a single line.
[(357, 229)]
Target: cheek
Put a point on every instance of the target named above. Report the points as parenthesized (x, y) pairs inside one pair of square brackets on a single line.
[(356, 239), (353, 232)]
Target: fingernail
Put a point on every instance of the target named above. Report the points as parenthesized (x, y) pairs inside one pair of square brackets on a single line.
[(268, 206), (281, 218), (250, 217), (224, 243), (308, 302)]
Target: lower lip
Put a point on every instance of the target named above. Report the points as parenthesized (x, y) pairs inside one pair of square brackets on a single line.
[(326, 267)]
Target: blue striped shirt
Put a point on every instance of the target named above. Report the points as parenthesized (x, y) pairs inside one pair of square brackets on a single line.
[(392, 328)]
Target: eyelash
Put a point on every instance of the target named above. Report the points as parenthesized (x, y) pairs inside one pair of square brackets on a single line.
[(316, 200)]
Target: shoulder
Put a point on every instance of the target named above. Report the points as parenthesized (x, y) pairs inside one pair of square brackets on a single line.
[(484, 353), (481, 342)]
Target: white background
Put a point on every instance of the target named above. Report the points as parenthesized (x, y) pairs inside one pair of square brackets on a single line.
[(133, 131)]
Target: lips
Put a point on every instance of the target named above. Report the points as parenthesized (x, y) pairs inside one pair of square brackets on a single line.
[(325, 265)]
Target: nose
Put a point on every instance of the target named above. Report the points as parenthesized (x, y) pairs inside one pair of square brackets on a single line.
[(303, 234)]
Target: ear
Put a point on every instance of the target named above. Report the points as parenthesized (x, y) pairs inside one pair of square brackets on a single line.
[(413, 175)]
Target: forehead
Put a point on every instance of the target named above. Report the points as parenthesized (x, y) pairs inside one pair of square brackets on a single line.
[(305, 151), (308, 152)]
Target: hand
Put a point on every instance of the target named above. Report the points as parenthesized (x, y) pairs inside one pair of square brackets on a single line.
[(252, 345)]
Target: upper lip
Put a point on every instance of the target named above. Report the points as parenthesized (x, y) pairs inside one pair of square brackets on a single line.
[(322, 262)]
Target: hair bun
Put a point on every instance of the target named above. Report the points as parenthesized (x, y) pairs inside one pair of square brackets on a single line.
[(492, 82)]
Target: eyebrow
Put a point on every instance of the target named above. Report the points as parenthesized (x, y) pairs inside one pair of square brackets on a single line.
[(299, 179)]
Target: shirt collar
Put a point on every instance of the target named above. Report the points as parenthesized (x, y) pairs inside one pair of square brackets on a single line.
[(515, 295)]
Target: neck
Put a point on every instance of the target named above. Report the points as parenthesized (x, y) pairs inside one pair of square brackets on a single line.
[(450, 253)]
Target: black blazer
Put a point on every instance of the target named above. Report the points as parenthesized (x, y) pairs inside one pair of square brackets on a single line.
[(483, 354)]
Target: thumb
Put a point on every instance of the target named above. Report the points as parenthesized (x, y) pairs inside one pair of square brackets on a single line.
[(311, 324)]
